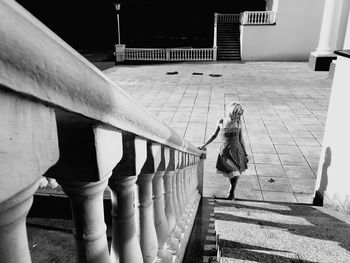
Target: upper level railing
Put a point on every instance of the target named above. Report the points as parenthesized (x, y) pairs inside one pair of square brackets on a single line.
[(258, 18), (63, 118), (229, 18), (170, 54)]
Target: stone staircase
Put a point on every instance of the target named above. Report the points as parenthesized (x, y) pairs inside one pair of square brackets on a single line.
[(279, 232), (228, 41)]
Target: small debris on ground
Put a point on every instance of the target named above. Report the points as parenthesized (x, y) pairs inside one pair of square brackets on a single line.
[(215, 75), (271, 180)]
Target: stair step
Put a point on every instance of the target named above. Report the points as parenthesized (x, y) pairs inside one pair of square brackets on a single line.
[(280, 232)]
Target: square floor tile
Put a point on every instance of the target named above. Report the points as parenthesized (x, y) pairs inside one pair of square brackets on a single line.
[(292, 159), (304, 198), (306, 186), (283, 140), (279, 197), (266, 158), (251, 170), (275, 184), (287, 149), (262, 148), (248, 182), (304, 172), (248, 194), (306, 141), (274, 170)]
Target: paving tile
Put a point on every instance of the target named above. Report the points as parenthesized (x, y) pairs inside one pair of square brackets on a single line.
[(275, 184), (302, 185), (251, 170), (248, 194), (287, 149), (283, 140), (279, 197), (266, 158), (248, 182), (274, 170), (306, 141), (293, 171), (295, 159), (262, 148), (303, 198)]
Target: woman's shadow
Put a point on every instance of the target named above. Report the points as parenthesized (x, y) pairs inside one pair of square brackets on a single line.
[(319, 195)]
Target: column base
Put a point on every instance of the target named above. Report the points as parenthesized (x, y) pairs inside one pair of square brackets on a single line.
[(321, 62), (331, 70)]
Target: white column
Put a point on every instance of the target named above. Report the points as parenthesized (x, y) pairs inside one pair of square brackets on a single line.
[(347, 35), (333, 28)]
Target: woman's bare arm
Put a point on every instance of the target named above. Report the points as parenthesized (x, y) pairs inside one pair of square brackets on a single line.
[(212, 138)]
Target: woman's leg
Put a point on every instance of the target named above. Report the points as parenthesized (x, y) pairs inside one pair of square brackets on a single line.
[(233, 182)]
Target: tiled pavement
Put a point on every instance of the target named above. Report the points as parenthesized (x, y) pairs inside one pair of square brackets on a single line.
[(285, 107)]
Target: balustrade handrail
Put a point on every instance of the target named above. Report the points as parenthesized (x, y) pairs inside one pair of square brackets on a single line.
[(38, 64)]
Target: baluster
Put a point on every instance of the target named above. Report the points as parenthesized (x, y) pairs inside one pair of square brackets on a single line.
[(148, 234), (28, 139), (178, 158), (186, 188), (88, 155), (179, 185), (160, 220), (169, 175), (125, 246)]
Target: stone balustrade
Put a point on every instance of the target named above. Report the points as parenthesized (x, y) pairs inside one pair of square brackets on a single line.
[(63, 118), (228, 18), (170, 54), (258, 18)]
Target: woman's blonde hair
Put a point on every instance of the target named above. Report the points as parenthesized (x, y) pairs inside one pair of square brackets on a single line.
[(234, 111)]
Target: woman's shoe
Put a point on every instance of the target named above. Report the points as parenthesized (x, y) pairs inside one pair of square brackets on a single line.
[(231, 195)]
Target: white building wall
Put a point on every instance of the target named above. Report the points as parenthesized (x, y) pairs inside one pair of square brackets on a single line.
[(294, 36), (333, 177)]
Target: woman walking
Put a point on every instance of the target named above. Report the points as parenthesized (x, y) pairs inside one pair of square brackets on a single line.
[(232, 159)]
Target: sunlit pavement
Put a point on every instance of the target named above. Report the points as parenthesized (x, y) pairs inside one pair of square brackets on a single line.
[(285, 107)]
